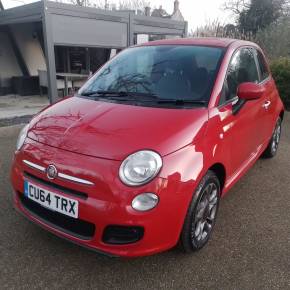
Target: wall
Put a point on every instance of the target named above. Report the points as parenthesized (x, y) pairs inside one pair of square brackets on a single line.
[(88, 32), (8, 62), (29, 47)]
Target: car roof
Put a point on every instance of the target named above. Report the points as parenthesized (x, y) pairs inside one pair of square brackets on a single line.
[(202, 41)]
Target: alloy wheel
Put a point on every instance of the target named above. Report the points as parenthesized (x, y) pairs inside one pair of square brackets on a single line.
[(205, 213), (276, 137)]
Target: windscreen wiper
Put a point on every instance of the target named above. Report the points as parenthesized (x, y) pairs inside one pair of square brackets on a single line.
[(103, 93), (119, 94), (182, 102), (144, 97)]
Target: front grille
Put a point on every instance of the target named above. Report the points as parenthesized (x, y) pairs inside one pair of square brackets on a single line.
[(121, 235), (56, 186), (75, 227)]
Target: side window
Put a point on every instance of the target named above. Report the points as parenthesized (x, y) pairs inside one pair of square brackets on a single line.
[(242, 68), (263, 65)]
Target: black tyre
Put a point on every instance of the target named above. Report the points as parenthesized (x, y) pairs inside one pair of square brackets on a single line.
[(201, 214), (273, 145)]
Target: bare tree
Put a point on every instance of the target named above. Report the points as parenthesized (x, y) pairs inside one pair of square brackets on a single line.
[(79, 2), (236, 6), (89, 3), (216, 29), (133, 4), (106, 4)]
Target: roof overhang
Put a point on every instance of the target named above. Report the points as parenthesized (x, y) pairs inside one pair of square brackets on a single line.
[(22, 14)]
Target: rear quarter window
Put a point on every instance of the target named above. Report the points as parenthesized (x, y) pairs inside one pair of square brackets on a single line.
[(263, 66)]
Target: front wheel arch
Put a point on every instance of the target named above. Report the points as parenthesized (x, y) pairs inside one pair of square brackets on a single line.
[(185, 240), (220, 171), (281, 115)]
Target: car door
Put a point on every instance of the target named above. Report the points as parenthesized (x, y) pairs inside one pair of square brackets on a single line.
[(240, 129), (268, 99)]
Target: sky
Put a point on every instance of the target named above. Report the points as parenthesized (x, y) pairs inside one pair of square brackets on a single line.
[(196, 12)]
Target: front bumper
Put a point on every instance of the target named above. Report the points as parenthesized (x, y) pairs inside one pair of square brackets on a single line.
[(105, 203)]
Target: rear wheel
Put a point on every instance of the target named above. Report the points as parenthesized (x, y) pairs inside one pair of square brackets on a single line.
[(201, 214), (272, 147)]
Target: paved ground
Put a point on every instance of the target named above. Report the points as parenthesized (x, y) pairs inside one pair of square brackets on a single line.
[(14, 108), (250, 248)]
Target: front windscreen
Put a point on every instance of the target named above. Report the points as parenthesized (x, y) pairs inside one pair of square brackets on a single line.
[(171, 72)]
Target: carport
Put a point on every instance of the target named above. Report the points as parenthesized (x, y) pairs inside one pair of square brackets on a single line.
[(69, 25)]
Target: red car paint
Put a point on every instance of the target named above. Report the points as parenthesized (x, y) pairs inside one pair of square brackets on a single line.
[(90, 139)]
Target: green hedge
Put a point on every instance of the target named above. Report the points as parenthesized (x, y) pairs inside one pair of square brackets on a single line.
[(281, 73)]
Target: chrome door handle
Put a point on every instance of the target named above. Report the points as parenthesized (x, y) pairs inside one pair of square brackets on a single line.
[(266, 105)]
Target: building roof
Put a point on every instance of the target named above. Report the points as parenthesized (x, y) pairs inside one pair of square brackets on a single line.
[(160, 12), (176, 15)]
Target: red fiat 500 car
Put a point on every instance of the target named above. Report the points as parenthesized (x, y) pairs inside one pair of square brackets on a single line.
[(139, 158)]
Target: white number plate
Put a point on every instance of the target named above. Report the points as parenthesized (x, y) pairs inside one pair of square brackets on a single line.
[(51, 200)]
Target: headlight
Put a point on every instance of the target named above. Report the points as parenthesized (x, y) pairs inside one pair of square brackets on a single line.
[(21, 137), (140, 167)]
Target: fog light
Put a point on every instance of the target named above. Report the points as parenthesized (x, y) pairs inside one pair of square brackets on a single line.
[(145, 201)]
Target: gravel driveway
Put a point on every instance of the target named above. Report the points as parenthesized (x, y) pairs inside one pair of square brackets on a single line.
[(250, 248)]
